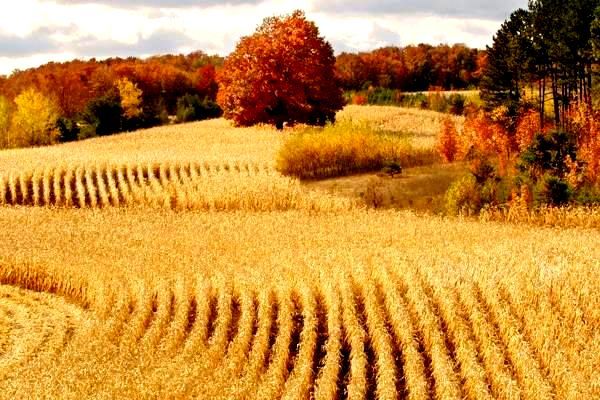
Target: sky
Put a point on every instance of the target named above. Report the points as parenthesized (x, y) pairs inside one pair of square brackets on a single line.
[(33, 32)]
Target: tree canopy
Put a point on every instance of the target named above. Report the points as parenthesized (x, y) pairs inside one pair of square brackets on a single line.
[(35, 119), (550, 45), (412, 68), (283, 73)]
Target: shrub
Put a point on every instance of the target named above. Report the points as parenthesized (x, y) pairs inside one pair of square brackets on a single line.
[(382, 96), (549, 153), (528, 127), (437, 101), (482, 169), (154, 114), (553, 191), (392, 168), (476, 191), (344, 149), (68, 128), (359, 99), (457, 104), (488, 137), (585, 124), (448, 140), (464, 197), (418, 100), (102, 116), (193, 108), (588, 196)]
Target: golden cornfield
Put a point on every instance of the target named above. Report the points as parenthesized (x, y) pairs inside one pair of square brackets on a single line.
[(180, 186), (128, 275)]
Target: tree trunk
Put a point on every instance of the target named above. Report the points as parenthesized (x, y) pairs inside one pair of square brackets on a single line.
[(543, 100), (581, 89), (556, 100), (589, 85)]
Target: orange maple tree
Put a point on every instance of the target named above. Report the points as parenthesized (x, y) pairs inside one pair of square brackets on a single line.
[(488, 136), (448, 140), (283, 73), (205, 81), (529, 125), (584, 122)]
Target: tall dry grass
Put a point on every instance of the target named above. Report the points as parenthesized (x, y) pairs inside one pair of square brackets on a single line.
[(365, 138), (420, 127), (346, 148), (562, 217)]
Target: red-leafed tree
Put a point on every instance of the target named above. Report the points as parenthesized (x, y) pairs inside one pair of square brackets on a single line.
[(204, 81), (352, 70), (283, 73), (448, 140)]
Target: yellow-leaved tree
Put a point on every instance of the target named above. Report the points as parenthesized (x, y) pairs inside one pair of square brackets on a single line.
[(5, 114), (34, 120), (131, 98)]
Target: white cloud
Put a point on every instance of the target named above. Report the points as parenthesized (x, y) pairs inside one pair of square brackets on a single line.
[(488, 9), (36, 31), (9, 64)]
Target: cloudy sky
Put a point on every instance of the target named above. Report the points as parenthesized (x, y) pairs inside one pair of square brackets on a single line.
[(33, 32)]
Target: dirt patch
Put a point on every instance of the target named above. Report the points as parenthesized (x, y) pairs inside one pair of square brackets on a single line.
[(420, 188)]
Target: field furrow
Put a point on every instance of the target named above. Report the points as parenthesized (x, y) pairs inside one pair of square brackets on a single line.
[(375, 334), (527, 367), (417, 379), (171, 185)]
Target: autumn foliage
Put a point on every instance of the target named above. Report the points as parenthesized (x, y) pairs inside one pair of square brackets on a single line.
[(359, 99), (412, 68), (34, 121), (283, 73), (448, 141), (487, 135), (87, 96), (584, 122), (131, 98), (5, 117), (529, 125)]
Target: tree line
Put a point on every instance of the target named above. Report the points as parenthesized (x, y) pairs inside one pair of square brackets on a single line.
[(83, 99), (536, 142), (412, 68), (94, 98), (550, 48)]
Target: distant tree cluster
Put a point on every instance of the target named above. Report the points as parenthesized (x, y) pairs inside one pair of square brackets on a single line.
[(285, 73), (82, 99), (536, 143), (553, 46), (412, 68)]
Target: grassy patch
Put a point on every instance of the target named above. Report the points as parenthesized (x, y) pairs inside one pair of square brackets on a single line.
[(347, 148), (420, 188)]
